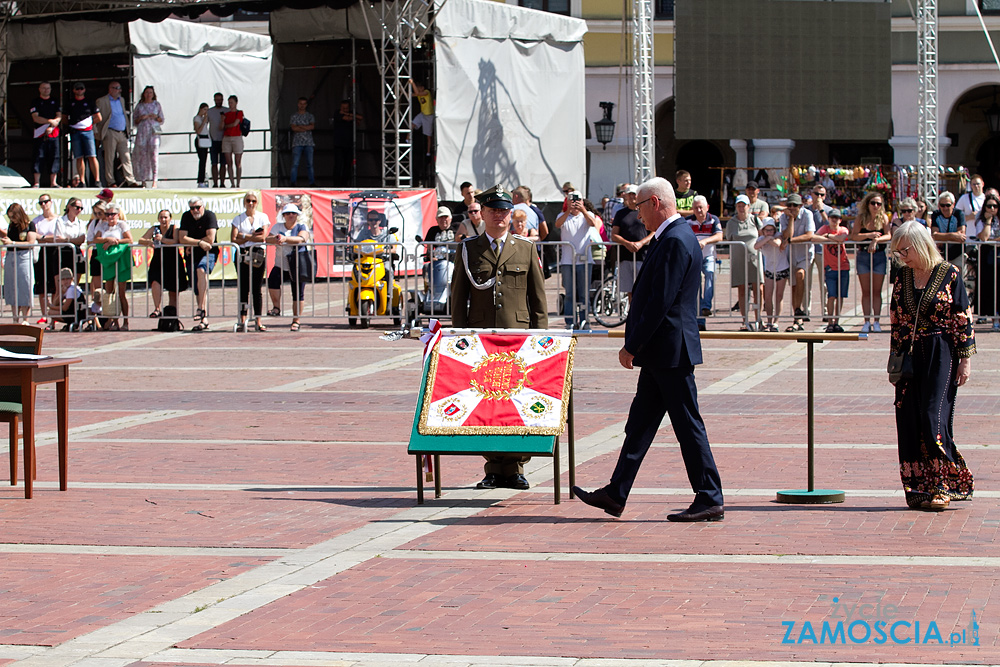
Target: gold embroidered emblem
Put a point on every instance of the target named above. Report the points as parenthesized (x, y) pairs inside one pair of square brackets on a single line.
[(499, 376)]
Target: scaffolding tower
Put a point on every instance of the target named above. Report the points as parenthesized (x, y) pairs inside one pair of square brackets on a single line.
[(927, 117), (400, 26), (642, 85)]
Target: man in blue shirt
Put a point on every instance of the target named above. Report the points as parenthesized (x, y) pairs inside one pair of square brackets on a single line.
[(112, 132)]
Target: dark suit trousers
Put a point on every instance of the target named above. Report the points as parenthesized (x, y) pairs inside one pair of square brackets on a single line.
[(667, 391)]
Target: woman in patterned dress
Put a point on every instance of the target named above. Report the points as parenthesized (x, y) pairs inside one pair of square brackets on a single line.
[(932, 469), (147, 116)]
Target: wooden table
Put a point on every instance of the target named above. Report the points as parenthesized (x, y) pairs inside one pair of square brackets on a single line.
[(29, 374)]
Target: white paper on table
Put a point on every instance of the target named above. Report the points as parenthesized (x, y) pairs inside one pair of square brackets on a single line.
[(6, 354)]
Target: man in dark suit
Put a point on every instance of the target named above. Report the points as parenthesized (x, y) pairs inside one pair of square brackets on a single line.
[(661, 336), (498, 283)]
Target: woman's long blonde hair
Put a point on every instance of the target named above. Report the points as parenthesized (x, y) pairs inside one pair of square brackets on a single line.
[(866, 220)]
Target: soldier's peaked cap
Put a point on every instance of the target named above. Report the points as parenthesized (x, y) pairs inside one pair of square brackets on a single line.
[(495, 197)]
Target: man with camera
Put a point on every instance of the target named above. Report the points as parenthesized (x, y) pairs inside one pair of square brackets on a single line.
[(574, 259)]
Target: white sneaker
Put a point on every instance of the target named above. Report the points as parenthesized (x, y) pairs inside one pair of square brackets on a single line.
[(875, 327), (866, 327)]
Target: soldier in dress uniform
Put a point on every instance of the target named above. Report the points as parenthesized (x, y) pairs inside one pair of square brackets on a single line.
[(498, 283)]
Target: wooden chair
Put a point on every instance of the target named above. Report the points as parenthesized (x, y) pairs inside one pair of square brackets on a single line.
[(24, 340)]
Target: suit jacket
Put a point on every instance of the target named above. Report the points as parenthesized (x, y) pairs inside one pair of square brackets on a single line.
[(515, 301), (662, 326), (104, 108)]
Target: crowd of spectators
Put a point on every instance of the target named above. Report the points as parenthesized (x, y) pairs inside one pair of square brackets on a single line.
[(787, 250), (184, 253), (781, 244), (771, 248), (104, 127)]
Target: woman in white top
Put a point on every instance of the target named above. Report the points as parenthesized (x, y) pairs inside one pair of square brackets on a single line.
[(289, 232), (47, 260), (96, 216), (202, 141), (113, 238), (72, 230), (249, 229)]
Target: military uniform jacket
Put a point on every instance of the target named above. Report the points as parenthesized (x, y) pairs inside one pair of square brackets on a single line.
[(515, 301)]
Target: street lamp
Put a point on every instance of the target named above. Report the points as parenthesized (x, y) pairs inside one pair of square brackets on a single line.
[(605, 127), (993, 114)]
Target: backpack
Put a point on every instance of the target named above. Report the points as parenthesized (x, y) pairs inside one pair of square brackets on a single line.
[(245, 126), (168, 321)]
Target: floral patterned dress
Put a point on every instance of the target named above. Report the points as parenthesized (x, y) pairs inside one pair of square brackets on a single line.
[(146, 152), (929, 462)]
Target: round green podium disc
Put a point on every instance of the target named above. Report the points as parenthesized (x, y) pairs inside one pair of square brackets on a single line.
[(814, 497)]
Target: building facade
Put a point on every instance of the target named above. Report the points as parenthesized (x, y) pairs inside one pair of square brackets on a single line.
[(968, 84)]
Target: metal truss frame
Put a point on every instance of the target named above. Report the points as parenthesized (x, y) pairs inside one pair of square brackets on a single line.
[(642, 86), (928, 166), (400, 26)]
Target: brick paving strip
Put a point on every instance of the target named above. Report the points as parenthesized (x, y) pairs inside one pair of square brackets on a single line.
[(147, 638)]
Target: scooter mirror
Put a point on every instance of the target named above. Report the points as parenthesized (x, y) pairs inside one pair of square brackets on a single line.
[(418, 238), (393, 230)]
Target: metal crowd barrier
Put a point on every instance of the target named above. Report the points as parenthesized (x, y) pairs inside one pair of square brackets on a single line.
[(423, 279)]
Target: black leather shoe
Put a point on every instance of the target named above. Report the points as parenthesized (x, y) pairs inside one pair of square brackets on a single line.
[(599, 499), (516, 482), (715, 513), (491, 481)]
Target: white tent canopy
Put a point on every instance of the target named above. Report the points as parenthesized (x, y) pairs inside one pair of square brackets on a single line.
[(187, 63), (510, 98)]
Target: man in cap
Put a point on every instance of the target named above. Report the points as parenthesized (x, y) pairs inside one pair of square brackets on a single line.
[(198, 228), (797, 228), (820, 211), (757, 206), (443, 232), (498, 283)]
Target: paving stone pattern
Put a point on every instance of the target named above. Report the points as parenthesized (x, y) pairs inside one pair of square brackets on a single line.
[(247, 500)]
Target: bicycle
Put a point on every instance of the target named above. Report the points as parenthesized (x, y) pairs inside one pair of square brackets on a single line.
[(608, 305)]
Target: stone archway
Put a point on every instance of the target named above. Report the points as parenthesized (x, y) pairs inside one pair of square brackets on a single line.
[(972, 145), (699, 157), (694, 155)]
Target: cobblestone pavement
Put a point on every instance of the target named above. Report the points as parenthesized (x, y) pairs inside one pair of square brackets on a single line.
[(246, 499)]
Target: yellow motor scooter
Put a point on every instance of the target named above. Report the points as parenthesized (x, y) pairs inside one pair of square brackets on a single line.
[(371, 292)]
